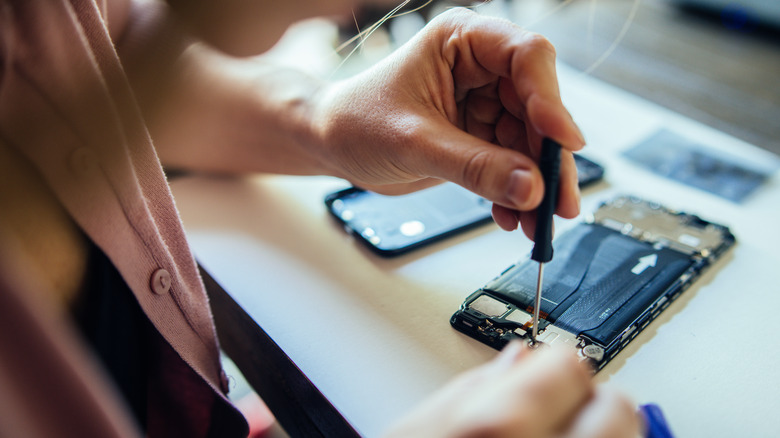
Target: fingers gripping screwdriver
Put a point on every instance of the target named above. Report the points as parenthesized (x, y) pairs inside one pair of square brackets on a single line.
[(550, 166)]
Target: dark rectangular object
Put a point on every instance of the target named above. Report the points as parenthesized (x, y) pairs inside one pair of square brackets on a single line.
[(609, 278), (394, 225), (667, 154)]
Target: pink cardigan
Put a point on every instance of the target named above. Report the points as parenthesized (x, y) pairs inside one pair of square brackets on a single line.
[(66, 105)]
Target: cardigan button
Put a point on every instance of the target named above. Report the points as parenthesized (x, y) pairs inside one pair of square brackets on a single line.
[(224, 382), (161, 281)]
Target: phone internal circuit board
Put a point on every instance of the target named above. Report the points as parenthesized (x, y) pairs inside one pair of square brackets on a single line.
[(610, 277)]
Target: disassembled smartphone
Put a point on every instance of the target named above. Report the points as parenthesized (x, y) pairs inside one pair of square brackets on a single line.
[(393, 225), (609, 277)]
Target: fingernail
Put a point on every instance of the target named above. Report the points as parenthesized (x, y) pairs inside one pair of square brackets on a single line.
[(520, 186), (580, 136), (578, 131)]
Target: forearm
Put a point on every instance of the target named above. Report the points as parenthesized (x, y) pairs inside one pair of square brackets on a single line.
[(228, 115), (210, 112)]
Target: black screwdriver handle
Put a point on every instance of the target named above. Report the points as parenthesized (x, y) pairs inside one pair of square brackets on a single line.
[(550, 166)]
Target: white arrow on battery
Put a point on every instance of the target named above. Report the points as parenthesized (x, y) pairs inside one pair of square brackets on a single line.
[(645, 262)]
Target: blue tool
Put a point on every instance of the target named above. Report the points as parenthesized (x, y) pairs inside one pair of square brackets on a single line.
[(655, 421)]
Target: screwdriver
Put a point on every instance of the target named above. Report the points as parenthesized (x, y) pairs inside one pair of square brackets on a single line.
[(550, 166)]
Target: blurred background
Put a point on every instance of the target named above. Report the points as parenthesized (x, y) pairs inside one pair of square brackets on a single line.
[(715, 61)]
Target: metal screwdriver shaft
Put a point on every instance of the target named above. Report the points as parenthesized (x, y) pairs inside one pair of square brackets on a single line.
[(549, 165)]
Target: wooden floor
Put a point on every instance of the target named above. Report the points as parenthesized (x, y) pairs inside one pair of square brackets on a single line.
[(692, 64)]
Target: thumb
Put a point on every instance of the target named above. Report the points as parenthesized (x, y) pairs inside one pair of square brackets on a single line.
[(501, 175)]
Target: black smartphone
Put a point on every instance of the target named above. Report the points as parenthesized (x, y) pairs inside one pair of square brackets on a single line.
[(609, 279), (393, 225), (588, 171)]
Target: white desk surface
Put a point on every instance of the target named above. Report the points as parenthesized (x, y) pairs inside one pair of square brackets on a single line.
[(373, 334)]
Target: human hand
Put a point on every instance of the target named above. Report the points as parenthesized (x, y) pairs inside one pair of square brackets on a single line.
[(523, 393), (468, 100)]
